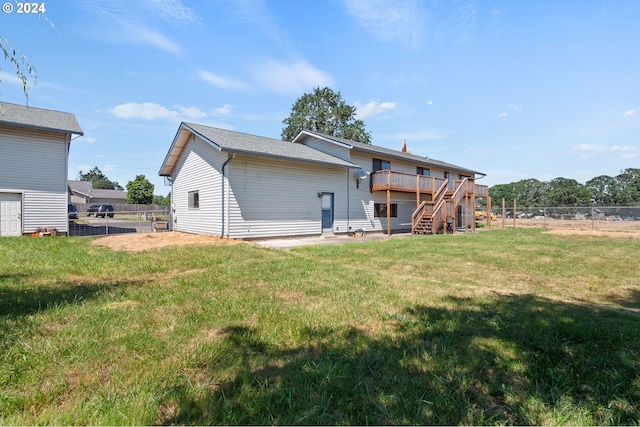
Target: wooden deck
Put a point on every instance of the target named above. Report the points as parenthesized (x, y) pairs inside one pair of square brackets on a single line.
[(410, 183)]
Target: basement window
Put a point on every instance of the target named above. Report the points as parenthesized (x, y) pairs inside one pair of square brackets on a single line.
[(194, 199), (380, 210)]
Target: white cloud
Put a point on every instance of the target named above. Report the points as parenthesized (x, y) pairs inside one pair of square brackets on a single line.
[(222, 82), (192, 112), (589, 151), (145, 111), (630, 112), (510, 108), (126, 22), (172, 11), (373, 108), (222, 111), (153, 38), (395, 20), (294, 78)]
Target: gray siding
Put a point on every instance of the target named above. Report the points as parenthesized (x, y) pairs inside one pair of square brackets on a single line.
[(198, 169), (34, 164), (333, 149), (33, 160), (44, 210), (272, 197)]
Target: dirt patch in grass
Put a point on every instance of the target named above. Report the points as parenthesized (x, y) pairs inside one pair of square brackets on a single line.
[(574, 231), (143, 241)]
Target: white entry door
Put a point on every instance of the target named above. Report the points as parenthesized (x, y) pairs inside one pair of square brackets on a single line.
[(10, 212), (327, 212)]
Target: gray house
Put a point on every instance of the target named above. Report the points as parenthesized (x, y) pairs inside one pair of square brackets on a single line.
[(83, 193), (34, 152), (237, 185)]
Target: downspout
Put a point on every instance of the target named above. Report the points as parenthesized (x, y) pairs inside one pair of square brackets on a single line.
[(348, 202), (233, 156)]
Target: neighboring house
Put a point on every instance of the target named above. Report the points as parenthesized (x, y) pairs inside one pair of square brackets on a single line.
[(237, 185), (34, 152), (82, 192)]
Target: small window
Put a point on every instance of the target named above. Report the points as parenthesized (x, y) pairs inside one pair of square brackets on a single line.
[(446, 175), (381, 165), (194, 199), (380, 210), (424, 171)]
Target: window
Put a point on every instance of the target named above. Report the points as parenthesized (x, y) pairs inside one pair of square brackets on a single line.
[(446, 175), (194, 200), (381, 165), (380, 210), (424, 171)]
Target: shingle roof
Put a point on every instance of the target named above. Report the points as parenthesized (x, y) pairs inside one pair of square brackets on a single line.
[(85, 188), (237, 142), (374, 149), (38, 118)]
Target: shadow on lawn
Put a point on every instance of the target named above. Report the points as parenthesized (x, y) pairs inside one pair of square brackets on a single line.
[(515, 360), (18, 299)]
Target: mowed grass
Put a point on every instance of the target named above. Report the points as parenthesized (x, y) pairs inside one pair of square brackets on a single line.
[(500, 327)]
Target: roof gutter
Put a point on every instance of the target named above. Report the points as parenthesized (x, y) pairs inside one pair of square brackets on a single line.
[(222, 230)]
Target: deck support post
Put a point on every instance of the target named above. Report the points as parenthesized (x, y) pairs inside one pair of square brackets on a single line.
[(417, 191), (389, 212)]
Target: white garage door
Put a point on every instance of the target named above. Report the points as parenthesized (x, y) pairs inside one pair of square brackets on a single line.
[(10, 211)]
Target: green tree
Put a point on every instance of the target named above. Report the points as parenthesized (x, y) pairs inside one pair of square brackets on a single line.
[(629, 180), (139, 191), (528, 192), (567, 192), (162, 201), (99, 180), (324, 111), (20, 65), (605, 191)]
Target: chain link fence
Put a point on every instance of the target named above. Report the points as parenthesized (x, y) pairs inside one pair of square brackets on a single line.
[(602, 218), (120, 222)]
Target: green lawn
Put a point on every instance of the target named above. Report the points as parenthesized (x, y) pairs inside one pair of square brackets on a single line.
[(500, 327)]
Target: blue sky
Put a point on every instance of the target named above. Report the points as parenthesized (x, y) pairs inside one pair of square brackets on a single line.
[(515, 89)]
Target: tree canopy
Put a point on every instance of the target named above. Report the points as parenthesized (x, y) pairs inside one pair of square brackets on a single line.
[(603, 190), (99, 180), (139, 191), (324, 111)]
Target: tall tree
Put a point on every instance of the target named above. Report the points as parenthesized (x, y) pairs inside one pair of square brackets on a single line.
[(99, 180), (629, 180), (605, 191), (139, 191), (324, 111), (567, 192)]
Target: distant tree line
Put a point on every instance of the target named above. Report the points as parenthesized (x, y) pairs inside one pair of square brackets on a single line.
[(603, 190)]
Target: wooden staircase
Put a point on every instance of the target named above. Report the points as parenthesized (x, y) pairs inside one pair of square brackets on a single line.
[(431, 216)]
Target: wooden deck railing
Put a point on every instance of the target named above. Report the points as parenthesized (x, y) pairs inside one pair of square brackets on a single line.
[(406, 182), (410, 183)]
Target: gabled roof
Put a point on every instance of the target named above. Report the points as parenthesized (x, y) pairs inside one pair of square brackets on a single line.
[(85, 188), (387, 152), (38, 118), (237, 142)]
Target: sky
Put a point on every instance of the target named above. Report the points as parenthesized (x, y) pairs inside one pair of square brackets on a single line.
[(515, 89)]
